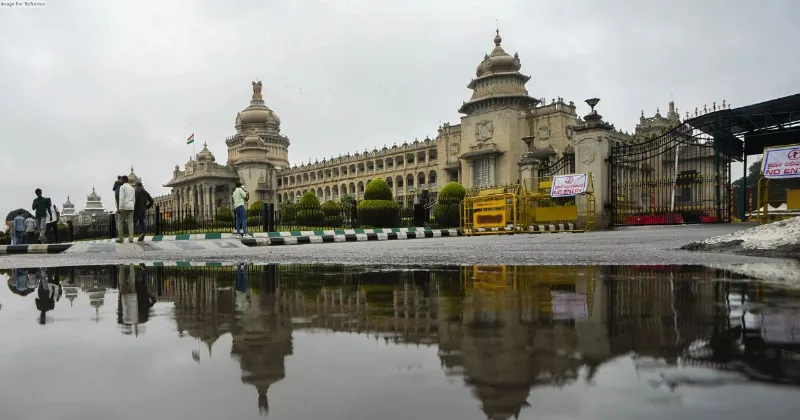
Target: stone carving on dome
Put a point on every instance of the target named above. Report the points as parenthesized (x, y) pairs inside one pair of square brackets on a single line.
[(257, 89), (483, 130), (454, 148)]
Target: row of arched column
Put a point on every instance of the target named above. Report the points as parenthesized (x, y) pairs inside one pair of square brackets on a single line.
[(399, 184)]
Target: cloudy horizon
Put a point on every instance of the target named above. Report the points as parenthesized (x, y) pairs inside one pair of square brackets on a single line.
[(92, 88)]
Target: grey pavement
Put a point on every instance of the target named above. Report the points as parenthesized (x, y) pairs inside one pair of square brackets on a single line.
[(644, 245)]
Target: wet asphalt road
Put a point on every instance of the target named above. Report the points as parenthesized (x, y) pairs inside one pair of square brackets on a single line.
[(644, 245)]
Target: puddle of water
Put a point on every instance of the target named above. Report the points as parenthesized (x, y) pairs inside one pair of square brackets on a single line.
[(346, 342)]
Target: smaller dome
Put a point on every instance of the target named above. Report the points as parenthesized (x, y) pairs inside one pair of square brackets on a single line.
[(68, 204), (498, 61), (205, 155), (132, 178), (252, 140), (93, 196), (258, 112)]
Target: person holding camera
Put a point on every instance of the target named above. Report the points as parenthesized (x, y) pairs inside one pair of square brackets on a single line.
[(240, 198)]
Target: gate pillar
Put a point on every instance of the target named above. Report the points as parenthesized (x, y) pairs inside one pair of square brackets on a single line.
[(593, 147), (527, 167)]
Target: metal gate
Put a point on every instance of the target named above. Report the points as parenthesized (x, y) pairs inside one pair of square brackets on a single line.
[(681, 176)]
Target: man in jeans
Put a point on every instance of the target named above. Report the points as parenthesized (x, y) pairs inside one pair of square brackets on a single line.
[(30, 229), (125, 207), (41, 205), (19, 228), (240, 197), (143, 202)]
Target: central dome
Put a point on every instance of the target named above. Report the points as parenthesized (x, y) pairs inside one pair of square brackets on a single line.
[(498, 61), (258, 112)]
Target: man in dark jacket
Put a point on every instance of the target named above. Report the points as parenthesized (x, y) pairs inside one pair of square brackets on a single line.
[(143, 203), (117, 184), (41, 206)]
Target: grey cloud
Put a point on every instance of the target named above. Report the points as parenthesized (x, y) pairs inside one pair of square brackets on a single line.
[(98, 86)]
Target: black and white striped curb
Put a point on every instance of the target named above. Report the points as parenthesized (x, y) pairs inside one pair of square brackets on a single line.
[(560, 227), (350, 237), (34, 249)]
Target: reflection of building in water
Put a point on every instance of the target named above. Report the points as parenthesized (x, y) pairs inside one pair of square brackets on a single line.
[(657, 317), (516, 329), (505, 329)]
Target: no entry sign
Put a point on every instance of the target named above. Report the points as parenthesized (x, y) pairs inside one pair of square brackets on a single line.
[(781, 162), (568, 185)]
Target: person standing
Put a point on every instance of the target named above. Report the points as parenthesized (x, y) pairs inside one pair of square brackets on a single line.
[(19, 228), (143, 203), (125, 206), (240, 197), (30, 229), (52, 223), (117, 184), (41, 206), (10, 232)]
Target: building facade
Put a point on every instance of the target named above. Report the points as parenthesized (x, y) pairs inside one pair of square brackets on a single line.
[(503, 133)]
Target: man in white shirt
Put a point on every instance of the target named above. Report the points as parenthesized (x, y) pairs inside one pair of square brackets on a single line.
[(30, 229), (240, 197), (125, 207)]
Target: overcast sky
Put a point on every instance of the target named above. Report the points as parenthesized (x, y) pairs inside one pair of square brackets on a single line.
[(89, 88)]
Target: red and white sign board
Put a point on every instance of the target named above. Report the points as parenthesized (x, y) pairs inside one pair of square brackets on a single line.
[(781, 162), (568, 185)]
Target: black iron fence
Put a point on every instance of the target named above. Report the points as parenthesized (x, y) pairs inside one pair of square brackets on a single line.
[(271, 218)]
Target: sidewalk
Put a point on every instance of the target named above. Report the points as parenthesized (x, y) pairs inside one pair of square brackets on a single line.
[(188, 242)]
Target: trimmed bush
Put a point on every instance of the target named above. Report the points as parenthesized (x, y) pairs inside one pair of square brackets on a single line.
[(309, 200), (224, 214), (253, 221), (377, 189), (255, 209), (379, 213), (288, 213), (333, 214), (447, 214), (309, 213), (452, 192)]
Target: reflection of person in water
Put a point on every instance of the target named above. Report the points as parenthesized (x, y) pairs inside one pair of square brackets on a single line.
[(242, 289), (135, 299), (48, 292)]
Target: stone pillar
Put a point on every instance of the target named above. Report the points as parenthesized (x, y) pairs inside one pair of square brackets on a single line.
[(527, 171), (214, 198), (492, 170), (592, 149), (466, 173)]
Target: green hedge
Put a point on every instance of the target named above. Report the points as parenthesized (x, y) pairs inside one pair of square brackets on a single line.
[(288, 213), (309, 200), (377, 189), (255, 209), (452, 192), (224, 214), (310, 218), (332, 211), (447, 215), (379, 213)]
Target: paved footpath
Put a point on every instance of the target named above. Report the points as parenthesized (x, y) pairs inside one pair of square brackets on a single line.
[(655, 245), (222, 241)]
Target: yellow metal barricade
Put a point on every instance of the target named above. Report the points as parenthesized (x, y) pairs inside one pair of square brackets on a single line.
[(540, 212), (490, 212)]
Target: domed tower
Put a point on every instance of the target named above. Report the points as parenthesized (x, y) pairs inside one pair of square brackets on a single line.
[(68, 210), (499, 83), (132, 178), (494, 120), (94, 204), (267, 125)]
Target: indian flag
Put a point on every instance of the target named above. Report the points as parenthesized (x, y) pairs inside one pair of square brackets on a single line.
[(190, 140)]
